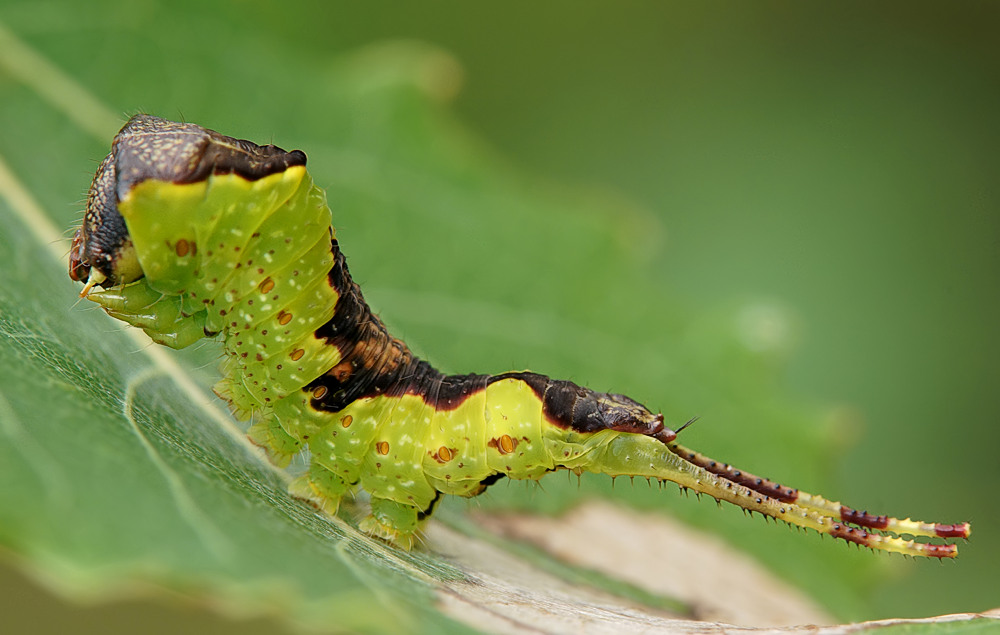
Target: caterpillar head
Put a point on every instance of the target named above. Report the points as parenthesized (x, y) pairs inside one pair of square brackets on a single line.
[(152, 148)]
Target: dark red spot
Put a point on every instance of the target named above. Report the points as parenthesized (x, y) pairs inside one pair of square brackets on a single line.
[(864, 519), (850, 534), (940, 551), (958, 530)]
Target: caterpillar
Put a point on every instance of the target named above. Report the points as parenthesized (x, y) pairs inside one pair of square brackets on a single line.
[(190, 234)]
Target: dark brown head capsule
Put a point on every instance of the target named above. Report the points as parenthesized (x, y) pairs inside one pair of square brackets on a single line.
[(152, 148)]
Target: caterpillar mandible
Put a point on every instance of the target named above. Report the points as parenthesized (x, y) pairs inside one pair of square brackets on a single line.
[(192, 234)]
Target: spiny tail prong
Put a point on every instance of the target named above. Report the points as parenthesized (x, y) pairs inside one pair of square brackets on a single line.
[(835, 510), (698, 473)]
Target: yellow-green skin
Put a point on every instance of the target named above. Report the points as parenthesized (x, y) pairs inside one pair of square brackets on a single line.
[(226, 255), (250, 261), (242, 268)]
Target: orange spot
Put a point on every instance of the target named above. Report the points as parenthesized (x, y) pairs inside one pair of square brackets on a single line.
[(443, 454), (382, 447), (297, 354), (284, 317), (266, 285), (183, 248), (503, 445), (506, 444), (342, 371), (347, 420), (319, 392)]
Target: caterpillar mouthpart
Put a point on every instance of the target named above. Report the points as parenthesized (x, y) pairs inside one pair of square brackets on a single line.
[(192, 234)]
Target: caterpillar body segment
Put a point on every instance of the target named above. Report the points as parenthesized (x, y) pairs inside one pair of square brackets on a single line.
[(193, 234)]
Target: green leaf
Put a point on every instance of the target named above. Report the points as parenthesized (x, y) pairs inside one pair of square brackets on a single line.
[(114, 469), (117, 466)]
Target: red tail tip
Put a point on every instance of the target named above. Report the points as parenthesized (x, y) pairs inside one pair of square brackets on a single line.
[(958, 530)]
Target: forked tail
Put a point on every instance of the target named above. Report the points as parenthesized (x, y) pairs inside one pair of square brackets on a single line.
[(639, 455)]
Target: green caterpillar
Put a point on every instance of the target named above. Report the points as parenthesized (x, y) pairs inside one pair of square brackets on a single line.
[(193, 234)]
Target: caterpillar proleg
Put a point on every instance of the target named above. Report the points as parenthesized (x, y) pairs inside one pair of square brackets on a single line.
[(191, 234)]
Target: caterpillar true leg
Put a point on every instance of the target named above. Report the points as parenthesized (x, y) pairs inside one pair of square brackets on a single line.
[(193, 234)]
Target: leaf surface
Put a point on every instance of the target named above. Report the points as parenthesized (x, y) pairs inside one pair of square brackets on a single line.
[(118, 467)]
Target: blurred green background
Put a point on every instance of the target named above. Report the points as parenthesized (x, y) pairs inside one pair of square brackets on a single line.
[(832, 168)]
